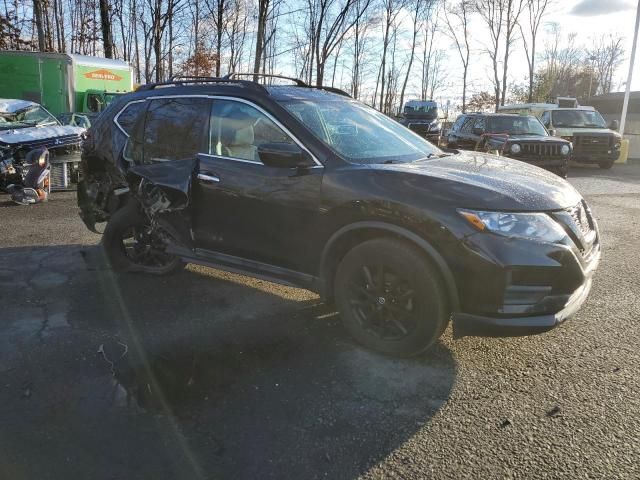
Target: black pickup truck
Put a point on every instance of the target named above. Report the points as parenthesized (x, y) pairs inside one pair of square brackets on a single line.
[(516, 136)]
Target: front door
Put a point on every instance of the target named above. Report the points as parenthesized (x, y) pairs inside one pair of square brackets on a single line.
[(245, 208)]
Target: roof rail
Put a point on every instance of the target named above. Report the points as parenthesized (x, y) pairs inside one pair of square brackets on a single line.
[(297, 81), (332, 90), (191, 80), (194, 79)]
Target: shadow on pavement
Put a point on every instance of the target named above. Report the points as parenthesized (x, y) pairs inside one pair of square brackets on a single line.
[(197, 375)]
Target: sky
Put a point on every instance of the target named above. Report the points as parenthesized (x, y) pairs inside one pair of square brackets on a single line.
[(589, 19)]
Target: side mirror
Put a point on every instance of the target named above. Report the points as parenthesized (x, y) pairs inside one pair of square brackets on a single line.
[(283, 155), (614, 125), (478, 131)]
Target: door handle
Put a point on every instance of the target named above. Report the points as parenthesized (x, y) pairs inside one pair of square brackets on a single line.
[(208, 178)]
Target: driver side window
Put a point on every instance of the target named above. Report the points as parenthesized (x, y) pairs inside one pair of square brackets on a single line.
[(237, 130)]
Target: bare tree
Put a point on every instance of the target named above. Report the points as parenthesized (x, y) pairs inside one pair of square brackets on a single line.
[(457, 18), (361, 40), (105, 23), (38, 15), (513, 10), (421, 13), (607, 55), (334, 22), (391, 9), (492, 13), (536, 12), (264, 7)]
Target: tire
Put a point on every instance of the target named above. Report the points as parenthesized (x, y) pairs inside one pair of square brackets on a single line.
[(562, 172), (606, 164), (145, 253), (405, 313)]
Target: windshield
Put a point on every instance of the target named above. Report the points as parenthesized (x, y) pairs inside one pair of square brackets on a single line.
[(31, 116), (578, 119), (360, 134), (514, 125), (421, 110)]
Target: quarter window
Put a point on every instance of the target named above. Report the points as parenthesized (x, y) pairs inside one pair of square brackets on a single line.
[(480, 123), (175, 128), (237, 130), (127, 118)]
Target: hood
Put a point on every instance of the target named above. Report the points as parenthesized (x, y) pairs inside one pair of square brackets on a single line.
[(569, 132), (32, 134), (488, 182)]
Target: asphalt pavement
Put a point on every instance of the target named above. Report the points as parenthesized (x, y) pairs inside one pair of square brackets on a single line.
[(209, 375)]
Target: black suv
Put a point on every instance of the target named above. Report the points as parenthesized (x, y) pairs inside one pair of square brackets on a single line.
[(517, 136), (305, 186)]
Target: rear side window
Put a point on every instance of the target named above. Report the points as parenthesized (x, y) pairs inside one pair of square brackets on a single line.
[(480, 123), (175, 128), (126, 119), (468, 125)]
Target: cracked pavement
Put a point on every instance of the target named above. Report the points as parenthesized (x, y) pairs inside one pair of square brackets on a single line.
[(206, 374)]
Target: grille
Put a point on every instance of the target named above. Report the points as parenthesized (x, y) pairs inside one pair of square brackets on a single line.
[(541, 149), (592, 144), (60, 176)]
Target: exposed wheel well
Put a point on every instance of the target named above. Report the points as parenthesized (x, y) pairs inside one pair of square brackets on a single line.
[(348, 237)]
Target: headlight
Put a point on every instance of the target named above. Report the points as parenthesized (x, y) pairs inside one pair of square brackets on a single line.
[(515, 148), (533, 226), (565, 150), (435, 126)]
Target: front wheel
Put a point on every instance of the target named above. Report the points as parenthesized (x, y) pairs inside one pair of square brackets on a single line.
[(132, 244), (390, 297)]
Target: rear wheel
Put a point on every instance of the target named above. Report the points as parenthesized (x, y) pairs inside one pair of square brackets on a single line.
[(131, 244), (606, 164), (390, 297)]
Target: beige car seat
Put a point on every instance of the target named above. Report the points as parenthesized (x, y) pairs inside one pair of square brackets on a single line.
[(241, 144)]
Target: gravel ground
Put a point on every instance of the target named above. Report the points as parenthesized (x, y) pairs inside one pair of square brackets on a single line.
[(211, 375)]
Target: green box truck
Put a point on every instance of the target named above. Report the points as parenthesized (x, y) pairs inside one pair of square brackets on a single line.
[(63, 82)]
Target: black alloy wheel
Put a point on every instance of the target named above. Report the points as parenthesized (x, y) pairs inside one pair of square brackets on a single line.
[(132, 244), (390, 297)]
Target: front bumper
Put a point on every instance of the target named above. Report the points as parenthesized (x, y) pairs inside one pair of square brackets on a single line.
[(465, 324), (543, 162), (526, 288)]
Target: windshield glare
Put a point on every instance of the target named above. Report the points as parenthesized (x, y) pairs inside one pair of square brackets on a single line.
[(358, 133), (426, 110), (27, 117), (516, 126), (578, 119)]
